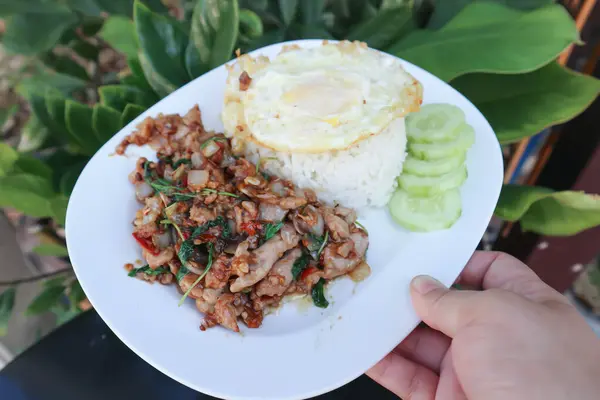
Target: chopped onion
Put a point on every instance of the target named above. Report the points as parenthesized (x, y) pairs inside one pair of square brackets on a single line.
[(143, 190), (197, 160), (197, 178), (210, 149), (271, 212), (278, 188)]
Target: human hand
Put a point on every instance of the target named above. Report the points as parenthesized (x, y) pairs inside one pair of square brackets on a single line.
[(516, 339)]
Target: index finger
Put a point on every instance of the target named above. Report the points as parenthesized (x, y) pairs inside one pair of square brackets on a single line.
[(490, 269)]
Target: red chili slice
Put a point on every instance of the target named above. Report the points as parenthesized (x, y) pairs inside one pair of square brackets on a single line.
[(307, 272), (145, 243), (251, 227)]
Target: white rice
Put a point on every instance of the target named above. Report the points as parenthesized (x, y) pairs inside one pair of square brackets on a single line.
[(363, 175)]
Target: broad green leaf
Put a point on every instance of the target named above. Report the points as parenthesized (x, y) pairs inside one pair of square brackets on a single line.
[(79, 123), (311, 11), (118, 96), (8, 157), (34, 135), (30, 34), (480, 39), (27, 164), (58, 281), (91, 25), (117, 7), (50, 249), (288, 10), (385, 28), (10, 7), (27, 193), (251, 25), (549, 213), (311, 32), (64, 314), (76, 294), (387, 4), (130, 113), (137, 77), (163, 44), (7, 303), (69, 177), (86, 50), (55, 105), (523, 105), (65, 65), (37, 84), (49, 298), (214, 31), (120, 33), (448, 9), (59, 209), (161, 86), (106, 122), (43, 119), (254, 5), (268, 38), (193, 65), (86, 7)]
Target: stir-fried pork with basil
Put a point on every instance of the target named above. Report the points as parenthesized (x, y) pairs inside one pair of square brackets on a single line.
[(228, 235)]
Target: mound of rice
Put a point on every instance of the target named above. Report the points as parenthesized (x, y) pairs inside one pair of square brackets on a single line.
[(358, 175), (362, 176)]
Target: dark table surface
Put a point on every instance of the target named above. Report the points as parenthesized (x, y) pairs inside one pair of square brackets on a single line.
[(84, 360)]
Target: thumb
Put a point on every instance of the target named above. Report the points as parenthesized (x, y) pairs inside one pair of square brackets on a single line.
[(442, 309)]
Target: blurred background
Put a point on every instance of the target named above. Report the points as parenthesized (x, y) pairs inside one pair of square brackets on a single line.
[(74, 72)]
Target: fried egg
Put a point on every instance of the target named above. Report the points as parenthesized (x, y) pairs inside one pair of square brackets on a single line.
[(319, 99)]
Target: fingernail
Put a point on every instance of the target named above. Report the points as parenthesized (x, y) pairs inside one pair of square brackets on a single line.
[(424, 284)]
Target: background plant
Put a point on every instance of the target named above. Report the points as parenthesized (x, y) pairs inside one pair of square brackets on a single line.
[(92, 66)]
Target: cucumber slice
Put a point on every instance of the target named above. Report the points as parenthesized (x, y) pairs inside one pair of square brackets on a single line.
[(425, 214), (455, 147), (434, 123), (433, 185), (415, 166)]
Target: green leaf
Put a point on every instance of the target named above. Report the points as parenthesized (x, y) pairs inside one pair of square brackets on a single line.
[(120, 33), (86, 50), (55, 105), (161, 86), (163, 44), (311, 32), (117, 7), (58, 281), (138, 79), (86, 7), (37, 84), (34, 33), (64, 314), (34, 135), (118, 96), (446, 10), (27, 193), (483, 38), (106, 122), (68, 177), (214, 31), (50, 249), (130, 113), (58, 206), (49, 298), (79, 123), (65, 65), (10, 7), (385, 28), (288, 10), (76, 294), (268, 38), (318, 294), (27, 164), (7, 303), (91, 26), (251, 25), (8, 157), (311, 11), (543, 211), (299, 265), (519, 106), (193, 64)]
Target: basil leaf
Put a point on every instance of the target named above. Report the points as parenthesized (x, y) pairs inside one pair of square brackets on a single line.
[(148, 271), (318, 294), (49, 297), (183, 271), (271, 230), (299, 265)]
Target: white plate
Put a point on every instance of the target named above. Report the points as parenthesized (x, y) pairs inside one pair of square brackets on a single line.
[(303, 351)]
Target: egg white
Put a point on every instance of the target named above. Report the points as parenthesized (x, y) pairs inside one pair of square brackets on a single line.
[(318, 99)]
